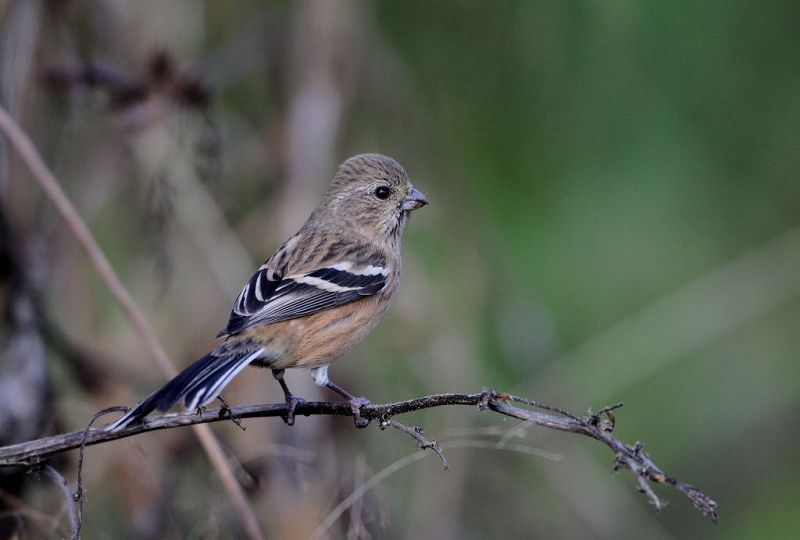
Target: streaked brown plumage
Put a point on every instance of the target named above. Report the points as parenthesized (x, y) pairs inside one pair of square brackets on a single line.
[(321, 292)]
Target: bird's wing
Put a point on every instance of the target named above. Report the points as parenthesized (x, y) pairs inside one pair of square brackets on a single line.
[(271, 297)]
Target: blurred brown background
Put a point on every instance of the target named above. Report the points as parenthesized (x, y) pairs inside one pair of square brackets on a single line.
[(614, 217)]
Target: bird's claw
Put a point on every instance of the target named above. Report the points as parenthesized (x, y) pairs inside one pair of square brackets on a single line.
[(355, 407), (291, 405)]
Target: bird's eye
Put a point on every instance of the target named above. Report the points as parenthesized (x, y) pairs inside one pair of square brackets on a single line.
[(383, 192)]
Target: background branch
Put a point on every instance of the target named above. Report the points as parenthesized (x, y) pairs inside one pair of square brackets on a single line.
[(599, 426), (49, 183)]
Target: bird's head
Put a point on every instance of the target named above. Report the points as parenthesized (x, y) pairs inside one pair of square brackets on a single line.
[(373, 194)]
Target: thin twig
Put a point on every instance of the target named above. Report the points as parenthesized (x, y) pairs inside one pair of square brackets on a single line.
[(52, 188), (360, 491), (33, 453), (79, 493), (70, 496), (416, 433)]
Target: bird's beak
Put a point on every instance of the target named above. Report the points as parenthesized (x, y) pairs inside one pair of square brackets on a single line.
[(415, 199)]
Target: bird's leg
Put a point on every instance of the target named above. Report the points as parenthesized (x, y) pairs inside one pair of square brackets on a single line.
[(291, 399), (355, 403)]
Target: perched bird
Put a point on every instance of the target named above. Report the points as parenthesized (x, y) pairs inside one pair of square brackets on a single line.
[(324, 289)]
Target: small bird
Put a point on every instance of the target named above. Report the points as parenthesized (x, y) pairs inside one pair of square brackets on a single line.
[(320, 294)]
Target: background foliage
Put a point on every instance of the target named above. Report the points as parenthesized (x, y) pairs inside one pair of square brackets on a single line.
[(614, 217)]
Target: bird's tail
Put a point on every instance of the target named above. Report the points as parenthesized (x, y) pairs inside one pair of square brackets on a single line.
[(197, 385)]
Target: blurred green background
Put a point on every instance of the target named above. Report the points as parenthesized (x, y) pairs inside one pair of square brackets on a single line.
[(614, 217)]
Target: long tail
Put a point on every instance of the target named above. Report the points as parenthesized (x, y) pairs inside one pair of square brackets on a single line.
[(197, 385)]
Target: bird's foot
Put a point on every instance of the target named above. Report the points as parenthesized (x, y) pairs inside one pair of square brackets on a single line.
[(355, 406), (291, 405)]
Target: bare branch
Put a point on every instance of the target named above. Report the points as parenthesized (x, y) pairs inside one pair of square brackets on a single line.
[(599, 426)]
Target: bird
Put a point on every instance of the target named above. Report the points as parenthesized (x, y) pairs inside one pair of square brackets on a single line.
[(324, 289)]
